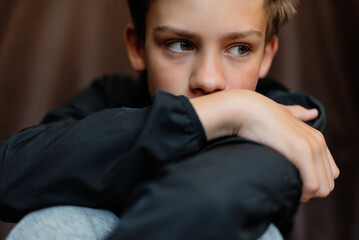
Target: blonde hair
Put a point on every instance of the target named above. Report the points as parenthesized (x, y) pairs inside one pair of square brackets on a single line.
[(279, 12)]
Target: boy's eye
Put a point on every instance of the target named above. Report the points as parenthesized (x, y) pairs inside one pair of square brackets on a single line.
[(240, 50), (180, 46)]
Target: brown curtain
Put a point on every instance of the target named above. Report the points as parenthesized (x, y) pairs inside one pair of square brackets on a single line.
[(319, 54), (50, 49)]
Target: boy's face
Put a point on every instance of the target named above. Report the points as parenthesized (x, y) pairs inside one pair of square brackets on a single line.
[(196, 47)]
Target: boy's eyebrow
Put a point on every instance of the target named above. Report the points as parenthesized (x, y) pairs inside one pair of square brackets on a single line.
[(249, 33), (186, 34), (176, 31)]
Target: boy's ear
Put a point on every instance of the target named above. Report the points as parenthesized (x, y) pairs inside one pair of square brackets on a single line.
[(134, 51), (268, 56)]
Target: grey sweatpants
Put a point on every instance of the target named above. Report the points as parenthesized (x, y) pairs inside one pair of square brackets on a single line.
[(79, 223)]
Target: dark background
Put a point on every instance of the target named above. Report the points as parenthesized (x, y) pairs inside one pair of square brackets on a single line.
[(50, 49)]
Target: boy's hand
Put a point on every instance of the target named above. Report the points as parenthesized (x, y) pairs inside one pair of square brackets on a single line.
[(302, 113), (251, 115)]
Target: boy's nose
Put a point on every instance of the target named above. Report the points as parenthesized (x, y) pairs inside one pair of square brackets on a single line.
[(207, 76)]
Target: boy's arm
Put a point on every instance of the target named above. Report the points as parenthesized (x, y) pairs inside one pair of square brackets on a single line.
[(76, 157), (297, 103), (94, 159), (256, 117)]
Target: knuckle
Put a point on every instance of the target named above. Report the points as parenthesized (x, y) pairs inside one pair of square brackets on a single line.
[(318, 133), (316, 147), (336, 173), (312, 187), (323, 192), (304, 147), (320, 138), (332, 186)]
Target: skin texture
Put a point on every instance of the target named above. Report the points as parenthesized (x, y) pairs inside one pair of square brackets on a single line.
[(213, 52)]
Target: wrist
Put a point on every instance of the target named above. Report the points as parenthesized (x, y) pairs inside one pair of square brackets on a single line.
[(217, 113)]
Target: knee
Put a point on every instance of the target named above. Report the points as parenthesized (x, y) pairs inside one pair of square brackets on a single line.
[(194, 199), (249, 180), (65, 222)]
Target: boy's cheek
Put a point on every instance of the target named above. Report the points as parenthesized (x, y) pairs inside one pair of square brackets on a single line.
[(167, 79), (167, 76), (242, 77)]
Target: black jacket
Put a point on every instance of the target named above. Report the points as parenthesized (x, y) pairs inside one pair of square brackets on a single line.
[(76, 154)]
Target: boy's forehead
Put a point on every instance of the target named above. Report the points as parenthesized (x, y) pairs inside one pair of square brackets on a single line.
[(208, 15)]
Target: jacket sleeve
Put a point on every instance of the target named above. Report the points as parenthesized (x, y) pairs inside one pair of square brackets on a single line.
[(93, 158)]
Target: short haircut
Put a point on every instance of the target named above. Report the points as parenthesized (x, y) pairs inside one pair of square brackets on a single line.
[(278, 12)]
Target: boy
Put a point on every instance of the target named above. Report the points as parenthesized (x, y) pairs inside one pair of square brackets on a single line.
[(160, 153)]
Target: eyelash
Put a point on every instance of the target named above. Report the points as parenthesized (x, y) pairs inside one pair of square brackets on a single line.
[(248, 50), (168, 43), (192, 46)]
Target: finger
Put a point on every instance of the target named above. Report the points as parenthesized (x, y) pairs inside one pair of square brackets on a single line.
[(325, 158), (328, 168), (317, 175), (302, 113), (326, 182), (309, 175), (333, 165), (304, 160)]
